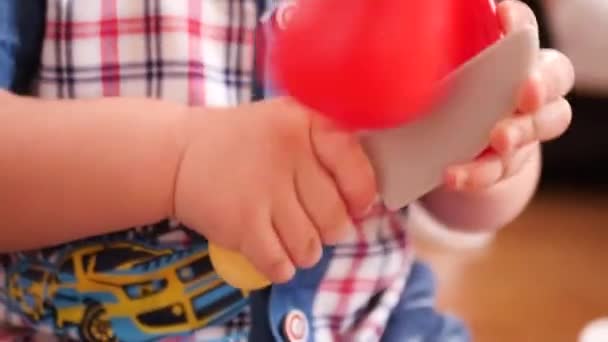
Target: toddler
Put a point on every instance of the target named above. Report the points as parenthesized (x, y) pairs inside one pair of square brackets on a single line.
[(133, 132)]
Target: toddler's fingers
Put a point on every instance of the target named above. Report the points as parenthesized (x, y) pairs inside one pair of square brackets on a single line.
[(514, 15), (344, 158), (322, 201), (549, 122), (553, 78), (532, 94), (514, 163), (476, 175), (265, 251), (296, 231), (557, 73)]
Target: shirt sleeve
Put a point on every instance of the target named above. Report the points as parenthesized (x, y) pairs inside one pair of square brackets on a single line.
[(21, 35)]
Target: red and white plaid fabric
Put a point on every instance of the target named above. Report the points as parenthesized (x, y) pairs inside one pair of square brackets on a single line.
[(200, 52), (371, 266)]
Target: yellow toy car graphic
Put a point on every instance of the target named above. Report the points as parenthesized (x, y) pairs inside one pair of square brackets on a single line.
[(28, 289), (125, 291)]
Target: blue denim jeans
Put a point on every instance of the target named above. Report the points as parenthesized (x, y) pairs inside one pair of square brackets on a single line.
[(21, 36), (416, 320), (8, 42)]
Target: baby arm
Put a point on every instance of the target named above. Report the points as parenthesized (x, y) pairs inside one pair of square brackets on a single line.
[(493, 190), (73, 169), (268, 179)]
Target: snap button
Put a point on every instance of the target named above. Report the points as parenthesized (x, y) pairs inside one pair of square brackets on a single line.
[(295, 326)]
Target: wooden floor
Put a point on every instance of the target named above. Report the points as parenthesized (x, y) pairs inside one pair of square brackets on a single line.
[(542, 279)]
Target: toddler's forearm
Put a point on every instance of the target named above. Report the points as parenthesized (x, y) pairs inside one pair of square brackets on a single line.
[(491, 208), (72, 169)]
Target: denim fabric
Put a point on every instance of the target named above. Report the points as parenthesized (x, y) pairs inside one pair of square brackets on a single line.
[(21, 35), (270, 307), (415, 318), (8, 42)]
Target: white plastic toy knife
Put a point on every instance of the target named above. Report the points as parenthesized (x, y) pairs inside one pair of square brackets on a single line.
[(410, 160)]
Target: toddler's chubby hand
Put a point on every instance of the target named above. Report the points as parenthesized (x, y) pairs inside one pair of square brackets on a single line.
[(543, 114), (272, 181)]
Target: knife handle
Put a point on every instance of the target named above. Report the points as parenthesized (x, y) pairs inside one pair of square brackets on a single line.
[(235, 269)]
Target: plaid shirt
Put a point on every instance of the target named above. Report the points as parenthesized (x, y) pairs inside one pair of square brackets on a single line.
[(201, 53), (189, 51)]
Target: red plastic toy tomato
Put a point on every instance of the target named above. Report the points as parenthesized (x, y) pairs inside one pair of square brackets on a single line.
[(366, 64), (474, 26), (375, 64)]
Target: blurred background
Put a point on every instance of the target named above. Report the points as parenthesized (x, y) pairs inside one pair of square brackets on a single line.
[(579, 28), (545, 277)]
